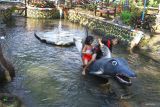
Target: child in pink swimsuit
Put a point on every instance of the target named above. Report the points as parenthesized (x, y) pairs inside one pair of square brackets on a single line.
[(87, 53)]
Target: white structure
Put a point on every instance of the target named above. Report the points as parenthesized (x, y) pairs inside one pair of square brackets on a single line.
[(13, 0)]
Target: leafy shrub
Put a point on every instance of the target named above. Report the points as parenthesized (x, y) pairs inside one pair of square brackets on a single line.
[(43, 4), (126, 16), (135, 20), (153, 3), (91, 6)]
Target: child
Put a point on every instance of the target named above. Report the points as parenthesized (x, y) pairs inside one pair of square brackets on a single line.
[(87, 53), (109, 42)]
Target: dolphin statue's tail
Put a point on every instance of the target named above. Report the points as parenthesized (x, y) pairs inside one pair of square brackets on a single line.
[(79, 43)]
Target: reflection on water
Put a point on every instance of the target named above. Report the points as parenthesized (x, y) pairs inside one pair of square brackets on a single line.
[(49, 76)]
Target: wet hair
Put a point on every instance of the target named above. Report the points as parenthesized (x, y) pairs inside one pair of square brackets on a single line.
[(105, 38), (112, 37), (89, 40)]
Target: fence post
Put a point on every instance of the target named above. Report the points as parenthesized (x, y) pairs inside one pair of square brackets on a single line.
[(159, 9), (25, 8)]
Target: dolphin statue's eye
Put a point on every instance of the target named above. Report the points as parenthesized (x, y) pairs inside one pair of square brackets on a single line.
[(114, 63)]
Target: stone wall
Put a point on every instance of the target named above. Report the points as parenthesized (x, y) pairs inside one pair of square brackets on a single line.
[(125, 34), (34, 12)]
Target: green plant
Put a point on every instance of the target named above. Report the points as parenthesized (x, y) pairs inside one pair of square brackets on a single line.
[(43, 4), (13, 9), (123, 1), (140, 3), (153, 3), (132, 5), (126, 16), (135, 20), (91, 6)]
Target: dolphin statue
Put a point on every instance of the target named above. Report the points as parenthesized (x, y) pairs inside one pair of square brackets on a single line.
[(108, 67)]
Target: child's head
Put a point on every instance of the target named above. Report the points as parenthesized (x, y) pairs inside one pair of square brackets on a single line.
[(89, 40), (114, 40)]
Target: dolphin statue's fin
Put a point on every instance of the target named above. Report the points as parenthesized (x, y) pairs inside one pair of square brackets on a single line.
[(99, 72), (79, 43), (106, 52)]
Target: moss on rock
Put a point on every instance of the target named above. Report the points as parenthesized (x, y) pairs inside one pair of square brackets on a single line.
[(8, 100)]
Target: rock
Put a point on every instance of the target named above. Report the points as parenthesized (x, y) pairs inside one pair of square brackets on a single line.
[(7, 71), (2, 25), (60, 39), (8, 100), (2, 74)]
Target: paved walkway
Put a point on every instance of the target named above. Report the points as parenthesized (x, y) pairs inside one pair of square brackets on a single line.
[(152, 49), (5, 5)]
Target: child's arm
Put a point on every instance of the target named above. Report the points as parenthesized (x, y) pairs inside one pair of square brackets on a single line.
[(84, 49), (100, 43)]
